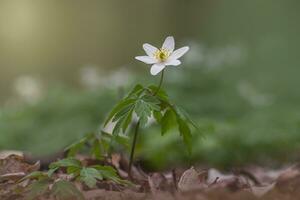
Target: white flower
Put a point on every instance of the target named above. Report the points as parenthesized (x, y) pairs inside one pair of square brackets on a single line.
[(160, 58)]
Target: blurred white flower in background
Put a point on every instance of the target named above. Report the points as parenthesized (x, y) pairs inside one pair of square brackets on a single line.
[(28, 88), (213, 58), (196, 56), (252, 95), (160, 58), (92, 77), (119, 78)]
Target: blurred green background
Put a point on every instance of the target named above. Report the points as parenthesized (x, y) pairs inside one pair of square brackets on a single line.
[(63, 64)]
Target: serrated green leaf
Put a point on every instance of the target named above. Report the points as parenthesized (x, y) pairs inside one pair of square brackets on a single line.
[(110, 173), (107, 172), (135, 91), (143, 111), (37, 189), (120, 138), (118, 126), (63, 190), (34, 175), (141, 108), (96, 149), (154, 107), (73, 166), (168, 121), (51, 171), (123, 140), (150, 99), (184, 116), (123, 103), (123, 112), (73, 170), (89, 176), (152, 102), (143, 121), (77, 146), (67, 162), (185, 132), (162, 94), (127, 121), (157, 115)]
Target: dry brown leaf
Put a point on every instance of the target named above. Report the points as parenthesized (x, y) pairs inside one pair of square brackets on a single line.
[(289, 181), (192, 180), (15, 164), (261, 191), (157, 182), (4, 154)]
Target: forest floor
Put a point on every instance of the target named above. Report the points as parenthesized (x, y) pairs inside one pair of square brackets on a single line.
[(247, 183)]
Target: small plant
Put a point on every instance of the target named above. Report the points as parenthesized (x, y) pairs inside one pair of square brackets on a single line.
[(46, 183), (145, 102), (42, 185), (87, 174)]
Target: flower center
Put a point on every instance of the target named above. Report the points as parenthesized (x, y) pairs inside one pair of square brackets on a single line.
[(162, 54)]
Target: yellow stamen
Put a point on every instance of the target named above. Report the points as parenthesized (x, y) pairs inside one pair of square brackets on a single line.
[(162, 54)]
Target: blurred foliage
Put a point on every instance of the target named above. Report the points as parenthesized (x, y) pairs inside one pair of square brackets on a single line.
[(54, 122)]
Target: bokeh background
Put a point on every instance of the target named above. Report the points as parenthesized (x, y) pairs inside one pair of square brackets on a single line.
[(63, 64)]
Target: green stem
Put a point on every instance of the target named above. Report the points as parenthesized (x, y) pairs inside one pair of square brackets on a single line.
[(160, 83), (133, 148)]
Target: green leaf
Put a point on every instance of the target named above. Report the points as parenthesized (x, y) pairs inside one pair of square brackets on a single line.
[(162, 94), (77, 146), (96, 150), (121, 105), (158, 116), (109, 173), (67, 162), (120, 139), (34, 175), (127, 121), (184, 116), (118, 126), (73, 170), (89, 176), (152, 102), (135, 91), (51, 171), (142, 108), (185, 132), (143, 111), (63, 190), (73, 166), (143, 121), (168, 121), (37, 189), (123, 112), (151, 99)]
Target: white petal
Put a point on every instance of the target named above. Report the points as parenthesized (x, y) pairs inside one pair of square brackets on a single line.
[(146, 59), (156, 68), (169, 44), (178, 53), (149, 49), (173, 62)]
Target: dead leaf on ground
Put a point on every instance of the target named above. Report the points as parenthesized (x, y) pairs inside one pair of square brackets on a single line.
[(192, 180)]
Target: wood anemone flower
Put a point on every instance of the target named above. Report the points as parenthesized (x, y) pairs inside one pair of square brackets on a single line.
[(165, 56)]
